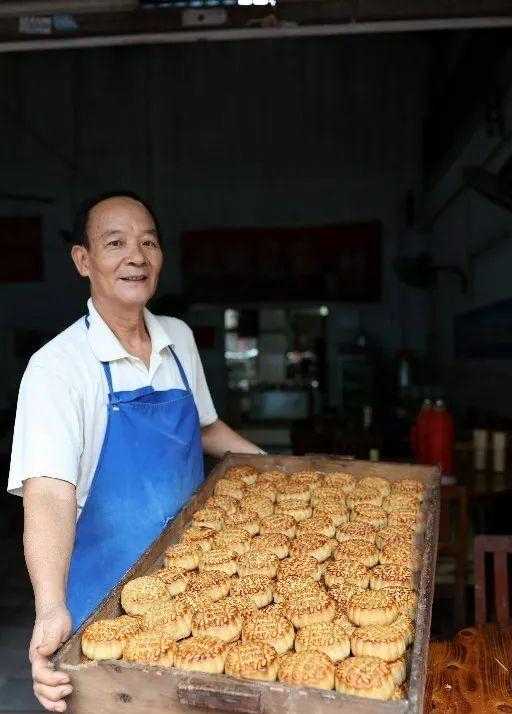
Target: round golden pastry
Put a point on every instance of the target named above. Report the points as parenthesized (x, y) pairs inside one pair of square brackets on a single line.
[(340, 572), (243, 603), (252, 660), (323, 492), (291, 491), (303, 566), (372, 607), (153, 648), (391, 576), (411, 486), (276, 543), (236, 539), (228, 487), (257, 588), (258, 563), (183, 556), (319, 524), (405, 627), (222, 559), (170, 618), (274, 476), (245, 520), (212, 518), (270, 628), (278, 523), (400, 692), (383, 641), (198, 537), (399, 670), (377, 483), (406, 600), (247, 474), (305, 478), (312, 544), (324, 637), (355, 529), (225, 503), (402, 554), (265, 489), (175, 579), (400, 502), (364, 677), (341, 594), (285, 587), (261, 505), (275, 608), (394, 534), (299, 510), (306, 669), (307, 608), (218, 620), (409, 519), (105, 639), (212, 583), (193, 600), (336, 511), (345, 481), (201, 654), (369, 513), (362, 496), (341, 620), (358, 549), (138, 594)]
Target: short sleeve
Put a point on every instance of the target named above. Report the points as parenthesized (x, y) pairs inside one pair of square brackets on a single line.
[(202, 396), (48, 431)]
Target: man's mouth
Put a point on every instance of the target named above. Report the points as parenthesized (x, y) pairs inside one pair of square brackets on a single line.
[(135, 278)]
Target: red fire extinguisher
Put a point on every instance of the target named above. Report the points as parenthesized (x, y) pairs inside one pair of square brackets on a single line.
[(440, 440), (423, 426)]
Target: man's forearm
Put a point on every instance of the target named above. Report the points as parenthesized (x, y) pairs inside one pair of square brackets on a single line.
[(218, 438), (49, 532)]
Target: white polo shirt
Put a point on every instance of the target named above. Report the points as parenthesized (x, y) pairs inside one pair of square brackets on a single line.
[(62, 404)]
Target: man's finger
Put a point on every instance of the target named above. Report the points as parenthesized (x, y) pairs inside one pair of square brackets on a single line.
[(42, 672), (53, 694), (51, 706)]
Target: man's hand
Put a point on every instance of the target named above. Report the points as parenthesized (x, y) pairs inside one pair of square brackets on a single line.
[(52, 627)]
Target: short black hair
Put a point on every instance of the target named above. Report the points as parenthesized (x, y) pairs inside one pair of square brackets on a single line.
[(78, 234)]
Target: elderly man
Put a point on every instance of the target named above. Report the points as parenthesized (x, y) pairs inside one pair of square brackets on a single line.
[(113, 417)]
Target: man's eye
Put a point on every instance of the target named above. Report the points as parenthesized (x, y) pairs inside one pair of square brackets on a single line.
[(114, 243), (151, 243)]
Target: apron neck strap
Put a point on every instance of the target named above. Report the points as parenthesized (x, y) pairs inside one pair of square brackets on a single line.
[(180, 368)]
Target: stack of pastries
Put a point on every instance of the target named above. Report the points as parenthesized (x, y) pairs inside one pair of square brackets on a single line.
[(307, 578)]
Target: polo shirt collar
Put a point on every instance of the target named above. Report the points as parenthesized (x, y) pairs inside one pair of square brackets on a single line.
[(105, 345)]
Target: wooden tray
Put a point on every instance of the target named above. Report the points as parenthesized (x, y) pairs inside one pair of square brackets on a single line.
[(111, 687)]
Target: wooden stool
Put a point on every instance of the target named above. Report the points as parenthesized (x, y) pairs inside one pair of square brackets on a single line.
[(500, 547)]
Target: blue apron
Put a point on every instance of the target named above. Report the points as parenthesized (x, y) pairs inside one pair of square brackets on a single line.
[(150, 464)]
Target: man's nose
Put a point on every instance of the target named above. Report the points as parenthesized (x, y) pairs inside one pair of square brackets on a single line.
[(136, 256)]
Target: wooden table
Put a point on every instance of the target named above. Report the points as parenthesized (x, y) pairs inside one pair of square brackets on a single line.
[(471, 673)]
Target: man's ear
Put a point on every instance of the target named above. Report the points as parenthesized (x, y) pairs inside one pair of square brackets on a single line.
[(80, 256)]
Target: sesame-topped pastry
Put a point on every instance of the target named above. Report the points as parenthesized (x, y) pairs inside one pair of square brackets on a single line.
[(356, 529), (345, 481), (341, 620), (243, 603), (306, 669), (383, 641), (358, 549), (405, 626), (139, 594), (175, 579), (400, 692), (270, 628), (261, 505), (265, 489), (336, 511), (324, 637), (153, 648), (193, 600), (201, 654), (214, 584), (342, 594), (221, 559), (362, 496), (228, 487), (364, 677), (258, 563), (105, 639), (369, 513), (276, 543), (209, 518), (304, 566), (377, 483), (308, 607), (299, 510), (394, 535), (245, 519), (252, 660), (324, 492), (218, 620), (391, 576), (170, 618), (399, 670), (274, 477), (225, 503), (236, 539), (410, 519), (401, 554), (282, 589), (278, 523), (372, 607), (339, 572), (312, 544), (275, 608), (183, 556), (257, 588), (411, 486), (401, 502), (320, 524), (246, 474), (305, 478), (291, 491), (198, 537), (406, 600)]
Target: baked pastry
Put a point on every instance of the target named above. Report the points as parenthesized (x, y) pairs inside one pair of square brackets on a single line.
[(214, 584), (355, 529), (324, 637), (220, 559), (252, 660), (410, 519), (307, 608), (405, 627), (231, 488), (372, 607), (391, 576), (369, 513), (399, 670), (305, 478), (198, 537), (394, 534), (258, 563), (364, 677), (275, 543), (400, 692), (225, 503), (286, 587), (278, 523), (153, 648), (247, 474), (266, 489), (201, 654), (362, 496), (341, 594), (406, 601), (401, 554), (401, 502), (411, 486), (175, 579), (218, 620), (377, 483), (274, 476), (299, 510), (304, 566), (275, 608), (243, 603), (345, 481), (293, 491), (383, 641), (271, 629), (323, 492), (306, 669), (339, 572), (341, 620), (261, 505), (193, 600), (209, 518), (358, 549), (319, 524), (170, 618), (243, 519), (105, 639), (312, 544), (138, 594), (257, 588), (236, 539), (336, 511), (183, 556)]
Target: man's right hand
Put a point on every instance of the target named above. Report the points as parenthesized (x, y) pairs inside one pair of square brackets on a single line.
[(52, 627)]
